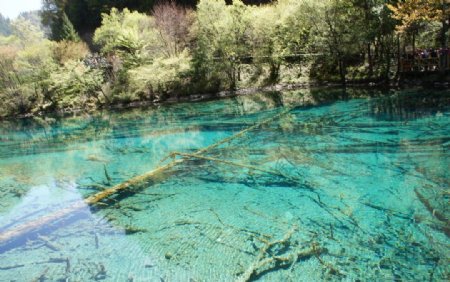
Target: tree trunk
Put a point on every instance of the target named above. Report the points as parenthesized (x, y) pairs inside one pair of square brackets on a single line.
[(274, 72), (399, 58), (444, 58), (369, 58), (388, 61), (342, 70), (414, 49)]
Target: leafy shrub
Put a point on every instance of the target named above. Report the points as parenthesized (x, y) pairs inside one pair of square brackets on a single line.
[(25, 63), (76, 85), (162, 76), (222, 33), (64, 51), (129, 34)]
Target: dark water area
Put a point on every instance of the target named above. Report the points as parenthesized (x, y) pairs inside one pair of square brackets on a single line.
[(306, 185)]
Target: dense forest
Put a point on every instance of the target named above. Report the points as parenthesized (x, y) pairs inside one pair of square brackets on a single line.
[(94, 53), (85, 15)]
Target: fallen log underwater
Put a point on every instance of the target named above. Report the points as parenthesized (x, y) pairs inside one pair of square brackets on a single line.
[(246, 166), (16, 232), (440, 216)]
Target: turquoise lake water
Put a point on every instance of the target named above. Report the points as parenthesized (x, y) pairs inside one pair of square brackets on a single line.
[(332, 186)]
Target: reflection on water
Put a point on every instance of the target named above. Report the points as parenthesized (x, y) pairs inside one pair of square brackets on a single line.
[(340, 185)]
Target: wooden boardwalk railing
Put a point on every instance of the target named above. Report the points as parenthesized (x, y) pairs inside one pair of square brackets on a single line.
[(418, 64)]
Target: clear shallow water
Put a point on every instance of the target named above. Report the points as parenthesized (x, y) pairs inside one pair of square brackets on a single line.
[(356, 188)]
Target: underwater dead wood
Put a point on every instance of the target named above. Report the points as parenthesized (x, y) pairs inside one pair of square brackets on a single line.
[(12, 267), (290, 259), (130, 183), (31, 226), (242, 132), (250, 167), (261, 260), (49, 244), (435, 213), (17, 231), (108, 178), (265, 263), (235, 136)]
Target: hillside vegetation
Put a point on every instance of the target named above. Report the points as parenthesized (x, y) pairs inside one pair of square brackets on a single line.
[(174, 50)]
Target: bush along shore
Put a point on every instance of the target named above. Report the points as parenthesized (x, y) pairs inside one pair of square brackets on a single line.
[(177, 53)]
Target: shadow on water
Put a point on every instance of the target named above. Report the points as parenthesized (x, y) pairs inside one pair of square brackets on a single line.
[(44, 230), (91, 126), (410, 105)]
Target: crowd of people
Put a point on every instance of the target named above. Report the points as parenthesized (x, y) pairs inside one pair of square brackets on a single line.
[(426, 53), (425, 59)]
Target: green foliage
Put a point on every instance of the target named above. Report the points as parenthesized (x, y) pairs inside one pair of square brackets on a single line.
[(222, 34), (162, 76), (52, 17), (283, 30), (148, 53), (68, 31), (296, 19), (30, 78), (55, 17), (8, 79), (34, 17), (220, 45), (131, 35), (26, 32), (86, 15), (76, 85), (11, 41), (25, 64), (412, 13), (342, 20), (64, 51)]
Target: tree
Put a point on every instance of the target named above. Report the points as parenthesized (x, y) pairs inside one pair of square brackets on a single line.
[(339, 33), (76, 85), (164, 75), (412, 14), (265, 40), (25, 63), (5, 26), (222, 34), (27, 32), (86, 15), (68, 32), (129, 35), (52, 16), (173, 23)]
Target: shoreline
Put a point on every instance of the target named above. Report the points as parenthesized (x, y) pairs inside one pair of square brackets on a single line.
[(193, 98)]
